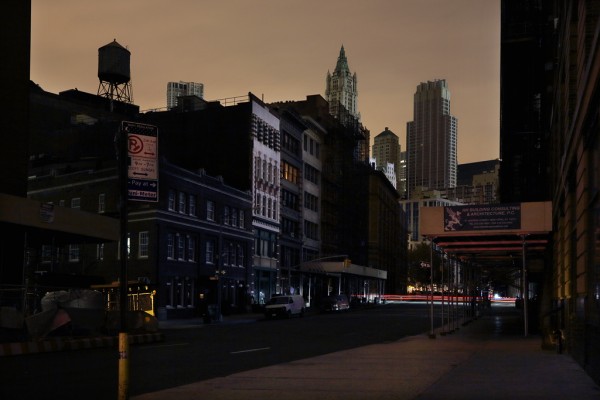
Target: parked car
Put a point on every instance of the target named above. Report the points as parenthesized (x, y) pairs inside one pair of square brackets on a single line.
[(338, 302), (285, 306)]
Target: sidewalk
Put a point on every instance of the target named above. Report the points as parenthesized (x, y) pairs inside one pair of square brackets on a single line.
[(487, 359)]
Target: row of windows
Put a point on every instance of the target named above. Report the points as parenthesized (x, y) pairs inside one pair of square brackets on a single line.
[(312, 147), (186, 204), (311, 202), (290, 200), (289, 172), (267, 206), (182, 202), (290, 143), (74, 250), (182, 247), (311, 173), (267, 171)]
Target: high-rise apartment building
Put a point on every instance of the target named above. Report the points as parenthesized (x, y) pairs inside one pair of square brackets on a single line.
[(431, 139), (341, 89), (386, 150), (177, 89)]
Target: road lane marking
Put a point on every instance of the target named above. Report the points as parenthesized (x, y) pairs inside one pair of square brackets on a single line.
[(165, 345), (250, 350)]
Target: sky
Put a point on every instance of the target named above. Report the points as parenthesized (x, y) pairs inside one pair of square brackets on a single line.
[(282, 50)]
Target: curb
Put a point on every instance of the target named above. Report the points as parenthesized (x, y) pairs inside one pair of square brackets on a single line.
[(63, 344)]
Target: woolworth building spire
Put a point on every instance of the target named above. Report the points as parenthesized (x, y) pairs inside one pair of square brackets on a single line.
[(341, 88)]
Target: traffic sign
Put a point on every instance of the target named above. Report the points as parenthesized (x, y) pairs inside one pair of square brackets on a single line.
[(142, 171)]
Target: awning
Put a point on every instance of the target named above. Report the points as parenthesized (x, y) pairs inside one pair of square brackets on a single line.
[(63, 225)]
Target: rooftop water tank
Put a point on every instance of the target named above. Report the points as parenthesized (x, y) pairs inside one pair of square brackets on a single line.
[(113, 63)]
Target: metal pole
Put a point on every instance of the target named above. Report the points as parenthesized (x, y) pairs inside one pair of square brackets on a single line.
[(431, 332), (525, 290), (443, 332), (123, 304)]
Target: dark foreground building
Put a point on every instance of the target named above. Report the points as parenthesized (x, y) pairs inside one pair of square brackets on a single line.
[(550, 138)]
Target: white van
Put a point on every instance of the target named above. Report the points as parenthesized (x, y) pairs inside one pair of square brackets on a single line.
[(285, 306)]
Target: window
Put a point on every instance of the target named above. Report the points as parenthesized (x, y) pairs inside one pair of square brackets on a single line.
[(192, 205), (210, 252), (240, 256), (73, 253), (180, 247), (170, 246), (171, 204), (46, 255), (311, 174), (181, 203), (100, 252), (191, 253), (311, 230), (241, 220), (61, 203), (225, 255), (311, 202), (101, 202), (289, 172), (210, 210), (234, 217), (226, 220), (143, 245), (76, 202)]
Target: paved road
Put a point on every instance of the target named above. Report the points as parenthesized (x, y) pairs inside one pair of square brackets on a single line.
[(204, 352)]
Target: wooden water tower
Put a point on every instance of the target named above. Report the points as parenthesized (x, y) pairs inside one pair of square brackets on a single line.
[(114, 72)]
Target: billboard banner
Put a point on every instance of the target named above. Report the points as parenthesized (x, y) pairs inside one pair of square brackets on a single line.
[(482, 217)]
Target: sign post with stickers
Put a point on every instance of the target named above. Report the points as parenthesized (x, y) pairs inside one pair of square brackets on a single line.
[(138, 181), (142, 171)]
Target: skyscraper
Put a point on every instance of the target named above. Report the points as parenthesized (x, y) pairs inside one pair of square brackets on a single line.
[(341, 89), (386, 149), (176, 89), (431, 139)]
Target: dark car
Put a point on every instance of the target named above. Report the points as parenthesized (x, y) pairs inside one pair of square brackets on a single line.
[(337, 302)]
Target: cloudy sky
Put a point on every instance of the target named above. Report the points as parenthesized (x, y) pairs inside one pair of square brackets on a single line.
[(282, 50)]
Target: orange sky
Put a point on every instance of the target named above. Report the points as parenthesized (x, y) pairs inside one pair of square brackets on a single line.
[(282, 50)]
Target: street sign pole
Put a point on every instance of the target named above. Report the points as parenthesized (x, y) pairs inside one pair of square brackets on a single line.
[(123, 390)]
